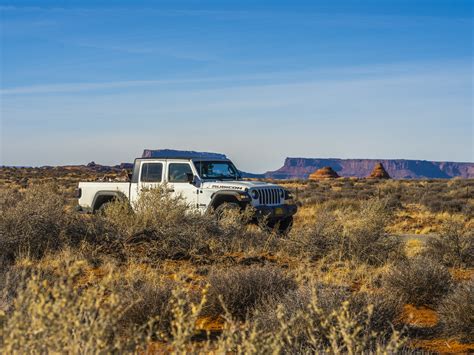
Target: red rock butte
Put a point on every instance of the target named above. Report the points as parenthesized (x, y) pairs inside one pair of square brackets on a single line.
[(379, 172), (324, 173)]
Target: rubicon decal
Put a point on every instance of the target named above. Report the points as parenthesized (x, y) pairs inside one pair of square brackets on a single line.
[(226, 187)]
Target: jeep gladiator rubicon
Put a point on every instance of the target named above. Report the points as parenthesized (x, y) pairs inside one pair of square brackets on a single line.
[(207, 184)]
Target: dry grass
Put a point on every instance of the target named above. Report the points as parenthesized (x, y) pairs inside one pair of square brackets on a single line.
[(161, 278)]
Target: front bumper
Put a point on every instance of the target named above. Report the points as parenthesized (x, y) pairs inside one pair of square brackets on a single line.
[(276, 212)]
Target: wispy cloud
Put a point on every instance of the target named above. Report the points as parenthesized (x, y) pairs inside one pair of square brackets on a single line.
[(344, 118), (85, 87), (135, 46), (299, 76)]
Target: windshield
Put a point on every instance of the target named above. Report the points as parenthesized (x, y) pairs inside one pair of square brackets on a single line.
[(217, 170)]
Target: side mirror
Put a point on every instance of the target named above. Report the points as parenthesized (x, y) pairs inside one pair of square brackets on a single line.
[(191, 178)]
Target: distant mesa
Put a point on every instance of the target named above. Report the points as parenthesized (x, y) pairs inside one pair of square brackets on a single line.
[(301, 168), (379, 172), (324, 173)]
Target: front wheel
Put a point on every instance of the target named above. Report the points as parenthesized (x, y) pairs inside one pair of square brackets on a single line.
[(285, 225), (225, 208)]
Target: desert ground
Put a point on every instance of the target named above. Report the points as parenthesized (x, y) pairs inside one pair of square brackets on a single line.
[(380, 266)]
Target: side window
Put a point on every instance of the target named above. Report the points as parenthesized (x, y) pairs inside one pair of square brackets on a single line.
[(152, 172), (177, 172)]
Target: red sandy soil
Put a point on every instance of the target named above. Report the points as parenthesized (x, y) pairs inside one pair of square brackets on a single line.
[(421, 317), (424, 317), (462, 274), (210, 324), (443, 346)]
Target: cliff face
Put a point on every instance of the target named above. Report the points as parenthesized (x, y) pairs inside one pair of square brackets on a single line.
[(396, 168)]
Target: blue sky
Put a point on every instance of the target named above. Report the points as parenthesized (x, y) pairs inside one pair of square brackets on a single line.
[(257, 80)]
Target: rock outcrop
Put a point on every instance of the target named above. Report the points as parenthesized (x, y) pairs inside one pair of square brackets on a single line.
[(301, 168), (379, 172), (324, 173)]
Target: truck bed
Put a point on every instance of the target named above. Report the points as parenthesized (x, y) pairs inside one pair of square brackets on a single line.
[(89, 190)]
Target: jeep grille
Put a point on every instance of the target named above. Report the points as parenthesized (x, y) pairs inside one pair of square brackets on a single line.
[(269, 196)]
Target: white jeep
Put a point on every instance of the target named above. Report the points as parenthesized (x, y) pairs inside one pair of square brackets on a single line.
[(208, 182)]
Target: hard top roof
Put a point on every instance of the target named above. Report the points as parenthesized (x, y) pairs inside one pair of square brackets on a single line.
[(182, 154), (183, 158)]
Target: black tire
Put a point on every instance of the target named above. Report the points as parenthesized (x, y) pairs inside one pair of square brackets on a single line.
[(223, 208), (101, 210), (285, 225)]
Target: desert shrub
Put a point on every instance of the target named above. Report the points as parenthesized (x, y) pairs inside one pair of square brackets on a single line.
[(319, 239), (13, 279), (329, 299), (352, 233), (149, 305), (419, 281), (154, 210), (445, 203), (94, 237), (327, 319), (8, 198), (56, 312), (364, 237), (240, 289), (453, 246), (160, 225), (33, 224), (55, 316), (268, 315), (456, 312), (385, 308)]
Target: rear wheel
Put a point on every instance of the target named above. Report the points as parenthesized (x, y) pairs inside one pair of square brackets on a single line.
[(103, 207)]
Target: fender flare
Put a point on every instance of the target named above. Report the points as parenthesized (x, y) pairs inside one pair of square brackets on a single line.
[(100, 194), (221, 196)]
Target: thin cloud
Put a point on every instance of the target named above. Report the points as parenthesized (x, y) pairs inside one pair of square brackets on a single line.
[(84, 87), (301, 76)]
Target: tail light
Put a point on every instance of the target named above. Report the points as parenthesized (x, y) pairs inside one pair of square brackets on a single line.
[(78, 193)]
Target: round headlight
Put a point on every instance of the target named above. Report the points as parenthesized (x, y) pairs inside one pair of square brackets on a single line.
[(282, 193), (255, 194)]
